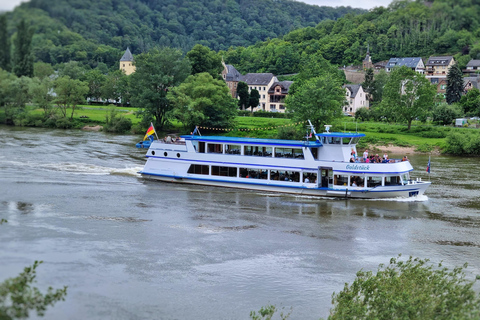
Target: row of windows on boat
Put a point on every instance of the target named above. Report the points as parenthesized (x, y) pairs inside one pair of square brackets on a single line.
[(354, 180), (246, 150)]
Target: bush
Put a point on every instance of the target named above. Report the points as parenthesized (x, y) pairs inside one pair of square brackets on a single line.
[(445, 114), (363, 114), (410, 289), (464, 142), (116, 123), (63, 123)]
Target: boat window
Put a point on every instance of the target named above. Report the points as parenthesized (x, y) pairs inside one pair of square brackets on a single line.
[(346, 140), (359, 181), (374, 182), (312, 177), (289, 153), (198, 169), (224, 171), (201, 147), (258, 151), (337, 140), (340, 180), (314, 153), (405, 178), (288, 176), (393, 181), (232, 149), (355, 140), (251, 173), (215, 148)]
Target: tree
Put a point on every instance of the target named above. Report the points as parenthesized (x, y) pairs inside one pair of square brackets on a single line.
[(205, 60), (95, 80), (445, 114), (411, 289), (203, 100), (319, 99), (70, 93), (22, 53), (42, 70), (407, 95), (254, 99), (243, 95), (41, 93), (471, 101), (116, 87), (369, 83), (16, 91), (18, 297), (379, 83), (454, 84), (5, 46), (157, 71)]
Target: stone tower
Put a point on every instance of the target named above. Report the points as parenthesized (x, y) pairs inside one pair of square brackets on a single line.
[(126, 62)]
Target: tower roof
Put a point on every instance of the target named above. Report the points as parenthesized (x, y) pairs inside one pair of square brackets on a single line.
[(127, 56)]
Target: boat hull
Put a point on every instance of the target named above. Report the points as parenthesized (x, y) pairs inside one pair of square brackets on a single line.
[(413, 189)]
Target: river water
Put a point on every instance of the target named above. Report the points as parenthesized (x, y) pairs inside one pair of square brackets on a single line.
[(134, 249)]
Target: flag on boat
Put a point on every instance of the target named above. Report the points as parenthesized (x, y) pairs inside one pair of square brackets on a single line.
[(150, 131), (428, 165)]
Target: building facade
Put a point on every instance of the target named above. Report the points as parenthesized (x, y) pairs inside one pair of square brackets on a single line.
[(416, 64), (356, 98), (127, 62)]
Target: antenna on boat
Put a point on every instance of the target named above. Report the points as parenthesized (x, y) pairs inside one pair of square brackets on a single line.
[(196, 131), (312, 129)]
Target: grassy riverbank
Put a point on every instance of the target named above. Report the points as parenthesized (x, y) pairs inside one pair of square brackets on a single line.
[(425, 138)]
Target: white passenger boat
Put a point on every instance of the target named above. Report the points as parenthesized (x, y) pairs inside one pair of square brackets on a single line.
[(319, 166)]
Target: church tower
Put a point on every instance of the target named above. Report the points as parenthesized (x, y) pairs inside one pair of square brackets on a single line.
[(367, 62), (126, 62)]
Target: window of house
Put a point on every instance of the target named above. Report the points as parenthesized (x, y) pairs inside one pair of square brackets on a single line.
[(273, 107), (282, 107), (124, 65), (263, 88)]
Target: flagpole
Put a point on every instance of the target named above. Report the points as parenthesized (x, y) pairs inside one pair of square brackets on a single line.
[(151, 123), (429, 168)]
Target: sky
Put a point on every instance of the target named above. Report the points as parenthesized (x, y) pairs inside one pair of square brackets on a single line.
[(8, 5)]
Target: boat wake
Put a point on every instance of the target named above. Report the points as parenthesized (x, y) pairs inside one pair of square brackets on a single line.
[(79, 168)]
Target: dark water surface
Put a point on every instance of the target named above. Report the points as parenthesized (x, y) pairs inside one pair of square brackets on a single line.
[(133, 249)]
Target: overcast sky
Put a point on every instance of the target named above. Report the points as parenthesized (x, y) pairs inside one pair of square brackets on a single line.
[(8, 5)]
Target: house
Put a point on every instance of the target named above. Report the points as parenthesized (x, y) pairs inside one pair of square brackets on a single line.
[(441, 88), (126, 62), (356, 98), (473, 67), (277, 94), (469, 83), (262, 83), (416, 64), (436, 68), (231, 77)]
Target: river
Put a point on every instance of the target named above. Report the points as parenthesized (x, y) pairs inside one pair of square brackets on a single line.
[(128, 248)]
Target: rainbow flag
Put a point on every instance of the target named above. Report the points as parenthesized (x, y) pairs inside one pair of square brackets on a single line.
[(150, 131)]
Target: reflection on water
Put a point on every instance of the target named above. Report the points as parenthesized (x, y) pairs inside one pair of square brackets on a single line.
[(133, 248)]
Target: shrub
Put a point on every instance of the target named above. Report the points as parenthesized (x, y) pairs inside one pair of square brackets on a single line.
[(116, 123), (363, 114), (411, 289)]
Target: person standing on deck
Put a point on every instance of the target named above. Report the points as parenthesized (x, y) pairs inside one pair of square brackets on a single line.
[(365, 155)]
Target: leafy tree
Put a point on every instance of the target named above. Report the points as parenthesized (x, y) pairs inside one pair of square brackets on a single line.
[(157, 71), (70, 93), (362, 114), (96, 81), (5, 62), (72, 69), (454, 84), (407, 95), (445, 114), (18, 297), (254, 99), (41, 93), (116, 87), (267, 313), (203, 100), (319, 99), (471, 101), (115, 122), (369, 83), (42, 70), (243, 95), (205, 60), (17, 95), (22, 53), (379, 83), (411, 289)]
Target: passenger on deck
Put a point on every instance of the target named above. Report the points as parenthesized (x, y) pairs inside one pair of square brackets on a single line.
[(365, 155), (404, 158), (352, 159), (169, 139)]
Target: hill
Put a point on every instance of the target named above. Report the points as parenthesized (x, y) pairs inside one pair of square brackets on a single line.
[(142, 24)]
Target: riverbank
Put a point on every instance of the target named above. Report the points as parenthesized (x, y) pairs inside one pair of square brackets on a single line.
[(400, 150)]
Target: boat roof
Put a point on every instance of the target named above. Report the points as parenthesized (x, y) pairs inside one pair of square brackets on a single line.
[(273, 142), (341, 134), (256, 141)]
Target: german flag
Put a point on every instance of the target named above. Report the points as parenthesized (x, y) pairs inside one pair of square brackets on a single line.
[(150, 131)]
